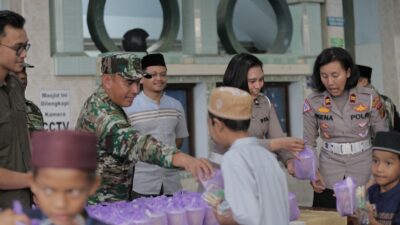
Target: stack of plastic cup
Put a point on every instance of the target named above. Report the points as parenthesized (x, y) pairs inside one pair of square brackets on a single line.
[(195, 215), (209, 218), (177, 217), (158, 219)]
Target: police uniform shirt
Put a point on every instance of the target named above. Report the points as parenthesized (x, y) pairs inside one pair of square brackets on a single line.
[(363, 113), (265, 125)]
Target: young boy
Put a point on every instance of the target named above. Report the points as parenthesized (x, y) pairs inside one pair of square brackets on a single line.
[(63, 176), (385, 193), (255, 185)]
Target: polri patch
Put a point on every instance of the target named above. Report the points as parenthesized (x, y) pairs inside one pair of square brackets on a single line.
[(360, 108), (323, 109)]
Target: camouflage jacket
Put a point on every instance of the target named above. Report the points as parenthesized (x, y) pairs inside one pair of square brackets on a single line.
[(35, 117), (119, 146)]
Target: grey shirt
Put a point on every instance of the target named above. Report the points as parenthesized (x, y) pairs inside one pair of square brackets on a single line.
[(166, 122)]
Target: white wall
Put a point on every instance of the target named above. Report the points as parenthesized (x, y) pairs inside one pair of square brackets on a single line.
[(200, 123), (367, 39)]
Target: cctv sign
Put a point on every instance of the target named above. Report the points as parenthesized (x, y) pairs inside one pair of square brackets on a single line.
[(55, 107)]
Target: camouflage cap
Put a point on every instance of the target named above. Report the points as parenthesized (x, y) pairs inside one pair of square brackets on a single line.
[(125, 64)]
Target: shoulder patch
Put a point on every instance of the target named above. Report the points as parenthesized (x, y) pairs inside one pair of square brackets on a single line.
[(306, 106), (353, 98), (376, 101)]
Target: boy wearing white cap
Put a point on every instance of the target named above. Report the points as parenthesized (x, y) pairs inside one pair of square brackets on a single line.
[(255, 185)]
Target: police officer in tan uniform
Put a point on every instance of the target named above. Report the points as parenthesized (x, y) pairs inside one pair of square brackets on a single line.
[(392, 116), (344, 117), (244, 71)]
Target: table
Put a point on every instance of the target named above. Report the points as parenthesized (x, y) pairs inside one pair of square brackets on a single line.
[(317, 217)]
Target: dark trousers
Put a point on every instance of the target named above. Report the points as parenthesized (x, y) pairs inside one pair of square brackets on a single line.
[(324, 199)]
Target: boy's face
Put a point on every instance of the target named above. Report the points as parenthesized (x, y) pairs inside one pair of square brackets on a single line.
[(385, 169), (216, 132), (62, 193)]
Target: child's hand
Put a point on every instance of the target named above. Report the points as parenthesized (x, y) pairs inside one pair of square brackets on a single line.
[(211, 199), (226, 218), (354, 219), (8, 217), (372, 213)]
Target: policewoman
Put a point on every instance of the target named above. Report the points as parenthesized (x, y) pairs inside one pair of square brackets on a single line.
[(344, 117), (245, 72)]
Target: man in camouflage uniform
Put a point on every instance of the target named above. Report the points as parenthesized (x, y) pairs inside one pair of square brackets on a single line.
[(35, 117), (393, 118), (119, 145)]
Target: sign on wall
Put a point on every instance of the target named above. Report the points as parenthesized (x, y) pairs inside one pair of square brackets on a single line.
[(55, 107), (335, 23)]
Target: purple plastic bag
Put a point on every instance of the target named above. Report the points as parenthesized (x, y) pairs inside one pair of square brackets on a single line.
[(293, 207), (184, 208), (305, 166), (215, 181), (209, 218), (345, 196)]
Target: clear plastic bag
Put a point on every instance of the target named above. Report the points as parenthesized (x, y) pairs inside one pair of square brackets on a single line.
[(305, 166), (293, 207), (345, 196)]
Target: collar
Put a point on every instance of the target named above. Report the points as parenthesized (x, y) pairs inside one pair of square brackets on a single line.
[(80, 219), (245, 141), (6, 80), (392, 192), (257, 100), (101, 93), (150, 99)]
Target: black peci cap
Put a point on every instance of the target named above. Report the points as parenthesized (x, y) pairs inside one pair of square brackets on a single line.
[(156, 59), (365, 71), (387, 141)]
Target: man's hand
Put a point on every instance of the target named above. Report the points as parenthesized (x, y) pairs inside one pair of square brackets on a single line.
[(8, 217), (290, 144), (200, 168), (318, 185)]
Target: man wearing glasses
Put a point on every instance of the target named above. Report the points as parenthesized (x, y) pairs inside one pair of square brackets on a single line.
[(155, 113), (14, 136)]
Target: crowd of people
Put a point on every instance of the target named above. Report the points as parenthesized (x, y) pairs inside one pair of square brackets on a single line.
[(126, 142)]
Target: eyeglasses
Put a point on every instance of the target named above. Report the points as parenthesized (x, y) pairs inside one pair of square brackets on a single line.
[(151, 75), (19, 48)]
